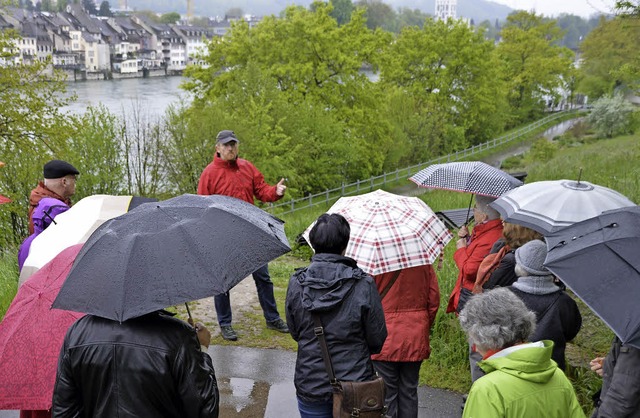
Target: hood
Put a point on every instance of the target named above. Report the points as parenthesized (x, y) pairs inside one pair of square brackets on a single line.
[(529, 362), (48, 208), (327, 281)]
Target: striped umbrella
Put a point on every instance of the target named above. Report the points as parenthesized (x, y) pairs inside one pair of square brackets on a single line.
[(390, 232), (469, 176)]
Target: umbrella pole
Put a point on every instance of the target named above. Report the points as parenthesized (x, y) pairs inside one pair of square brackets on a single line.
[(466, 222), (190, 320)]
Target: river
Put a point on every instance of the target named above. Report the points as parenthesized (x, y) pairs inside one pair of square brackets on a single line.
[(154, 94)]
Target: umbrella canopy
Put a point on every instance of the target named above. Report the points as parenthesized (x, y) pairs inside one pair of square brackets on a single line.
[(470, 176), (599, 260), (162, 254), (31, 335), (390, 232), (547, 206), (74, 227)]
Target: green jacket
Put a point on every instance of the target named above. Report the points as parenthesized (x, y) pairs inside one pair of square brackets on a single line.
[(522, 381)]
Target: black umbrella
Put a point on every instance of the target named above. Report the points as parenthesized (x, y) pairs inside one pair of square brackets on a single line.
[(599, 259), (162, 254)]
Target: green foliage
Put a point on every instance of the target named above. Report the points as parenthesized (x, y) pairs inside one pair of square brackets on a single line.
[(378, 14), (542, 150), (171, 17), (628, 8), (341, 11), (292, 88), (105, 9), (32, 131), (611, 58), (8, 278), (612, 116), (445, 92), (534, 66)]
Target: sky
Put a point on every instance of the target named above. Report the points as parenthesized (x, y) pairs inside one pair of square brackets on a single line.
[(583, 8)]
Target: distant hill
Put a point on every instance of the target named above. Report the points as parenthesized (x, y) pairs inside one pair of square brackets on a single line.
[(478, 10)]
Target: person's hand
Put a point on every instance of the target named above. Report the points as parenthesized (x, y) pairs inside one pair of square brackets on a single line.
[(461, 243), (463, 232), (204, 335), (280, 187), (596, 365)]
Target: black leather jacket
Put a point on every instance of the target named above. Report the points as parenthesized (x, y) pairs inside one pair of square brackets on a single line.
[(149, 366), (348, 303)]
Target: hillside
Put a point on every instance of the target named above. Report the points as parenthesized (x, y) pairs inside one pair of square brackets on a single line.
[(478, 10)]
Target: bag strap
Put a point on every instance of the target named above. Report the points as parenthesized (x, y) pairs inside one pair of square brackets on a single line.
[(388, 286), (550, 305), (319, 331)]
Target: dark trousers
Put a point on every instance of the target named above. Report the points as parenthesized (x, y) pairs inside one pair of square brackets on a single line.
[(401, 383), (264, 286)]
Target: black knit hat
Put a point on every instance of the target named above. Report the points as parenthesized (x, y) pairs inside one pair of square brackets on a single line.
[(56, 169)]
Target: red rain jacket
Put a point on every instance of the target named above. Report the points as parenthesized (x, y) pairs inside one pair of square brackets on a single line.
[(239, 179), (468, 258), (410, 307), (36, 195)]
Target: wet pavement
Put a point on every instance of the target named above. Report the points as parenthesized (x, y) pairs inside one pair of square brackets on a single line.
[(257, 382)]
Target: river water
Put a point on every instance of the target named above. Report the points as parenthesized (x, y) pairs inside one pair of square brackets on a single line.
[(154, 94)]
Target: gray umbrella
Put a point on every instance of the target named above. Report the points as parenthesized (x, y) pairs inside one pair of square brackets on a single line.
[(162, 254), (599, 259)]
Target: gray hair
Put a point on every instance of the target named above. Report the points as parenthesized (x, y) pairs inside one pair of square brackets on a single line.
[(482, 203), (497, 319)]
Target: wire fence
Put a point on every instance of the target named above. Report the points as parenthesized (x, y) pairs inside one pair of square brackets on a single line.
[(330, 195)]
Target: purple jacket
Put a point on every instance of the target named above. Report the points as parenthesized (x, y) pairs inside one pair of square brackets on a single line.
[(43, 215)]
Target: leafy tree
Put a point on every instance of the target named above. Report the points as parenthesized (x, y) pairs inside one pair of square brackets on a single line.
[(46, 6), (32, 130), (611, 57), (629, 8), (447, 89), (378, 14), (90, 7), (172, 17), (62, 5), (407, 17), (105, 9), (342, 10), (534, 67), (234, 12), (277, 80), (612, 116)]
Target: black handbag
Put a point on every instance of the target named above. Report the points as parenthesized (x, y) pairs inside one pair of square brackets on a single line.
[(351, 399)]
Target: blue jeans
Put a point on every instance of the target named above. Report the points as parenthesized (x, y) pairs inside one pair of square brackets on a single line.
[(264, 285), (315, 409)]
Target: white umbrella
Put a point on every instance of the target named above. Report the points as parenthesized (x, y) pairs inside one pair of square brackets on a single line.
[(390, 232), (547, 206), (72, 227)]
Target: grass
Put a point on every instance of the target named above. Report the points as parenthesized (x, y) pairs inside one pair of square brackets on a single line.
[(611, 163)]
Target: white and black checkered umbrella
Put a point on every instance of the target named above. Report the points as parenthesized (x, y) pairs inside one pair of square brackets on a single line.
[(470, 176)]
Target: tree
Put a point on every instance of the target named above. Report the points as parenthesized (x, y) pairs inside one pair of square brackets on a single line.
[(610, 55), (612, 116), (32, 130), (277, 81), (378, 14), (447, 89), (628, 8), (46, 6), (62, 5), (342, 10), (105, 9), (171, 17), (534, 67), (234, 12), (90, 7)]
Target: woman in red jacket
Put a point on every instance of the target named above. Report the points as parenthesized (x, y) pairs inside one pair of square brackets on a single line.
[(472, 249), (410, 300)]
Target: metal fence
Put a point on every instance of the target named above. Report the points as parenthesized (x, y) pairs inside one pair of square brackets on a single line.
[(330, 195)]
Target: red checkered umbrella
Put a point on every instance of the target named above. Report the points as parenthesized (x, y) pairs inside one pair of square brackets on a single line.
[(390, 232)]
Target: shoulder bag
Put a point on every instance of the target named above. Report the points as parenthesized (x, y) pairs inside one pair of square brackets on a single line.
[(351, 399)]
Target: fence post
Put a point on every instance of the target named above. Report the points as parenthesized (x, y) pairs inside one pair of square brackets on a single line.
[(358, 186)]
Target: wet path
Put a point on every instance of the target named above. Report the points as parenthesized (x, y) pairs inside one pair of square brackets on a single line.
[(257, 382)]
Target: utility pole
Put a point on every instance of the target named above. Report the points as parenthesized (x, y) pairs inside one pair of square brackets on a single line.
[(189, 10)]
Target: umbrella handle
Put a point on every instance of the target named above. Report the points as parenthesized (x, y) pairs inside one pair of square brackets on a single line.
[(190, 320), (466, 222)]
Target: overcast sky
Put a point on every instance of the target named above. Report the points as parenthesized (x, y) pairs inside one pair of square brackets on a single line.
[(583, 8)]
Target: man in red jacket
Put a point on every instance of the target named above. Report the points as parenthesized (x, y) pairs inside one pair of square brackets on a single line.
[(232, 176), (59, 183)]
